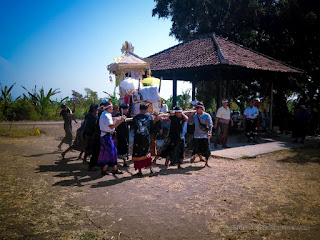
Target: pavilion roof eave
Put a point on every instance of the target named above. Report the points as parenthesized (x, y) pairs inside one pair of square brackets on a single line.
[(211, 72)]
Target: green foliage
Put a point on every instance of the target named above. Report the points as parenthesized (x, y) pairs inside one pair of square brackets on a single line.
[(183, 100), (40, 100), (38, 105), (113, 97), (265, 26), (6, 101), (91, 96)]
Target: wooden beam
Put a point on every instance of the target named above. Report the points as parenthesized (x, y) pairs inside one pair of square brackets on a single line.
[(174, 92)]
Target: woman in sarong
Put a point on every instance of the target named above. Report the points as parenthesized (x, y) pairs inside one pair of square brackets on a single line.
[(173, 146)]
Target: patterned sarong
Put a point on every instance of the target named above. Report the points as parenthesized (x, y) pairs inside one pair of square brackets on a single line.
[(108, 152), (140, 152)]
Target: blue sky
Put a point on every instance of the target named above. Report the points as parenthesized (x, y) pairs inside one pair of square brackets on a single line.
[(67, 44)]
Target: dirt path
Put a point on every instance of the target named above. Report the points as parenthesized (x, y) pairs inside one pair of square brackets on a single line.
[(275, 196)]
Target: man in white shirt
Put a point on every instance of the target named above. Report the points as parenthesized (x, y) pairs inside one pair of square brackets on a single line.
[(108, 151), (164, 107), (223, 118), (250, 115)]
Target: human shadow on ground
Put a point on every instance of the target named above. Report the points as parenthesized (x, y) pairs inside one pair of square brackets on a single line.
[(163, 171), (70, 167), (43, 154), (303, 155), (73, 172)]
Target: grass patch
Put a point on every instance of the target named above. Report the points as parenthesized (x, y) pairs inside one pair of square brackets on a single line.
[(245, 157), (89, 235), (18, 131)]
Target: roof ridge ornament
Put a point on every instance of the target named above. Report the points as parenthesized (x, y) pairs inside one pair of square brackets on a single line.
[(127, 47), (219, 51)]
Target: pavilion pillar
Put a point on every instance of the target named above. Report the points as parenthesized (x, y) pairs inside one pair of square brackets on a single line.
[(174, 92), (193, 96), (219, 98), (228, 83), (271, 107), (224, 89)]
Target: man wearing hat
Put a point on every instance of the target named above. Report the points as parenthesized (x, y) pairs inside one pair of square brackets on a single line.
[(222, 119), (123, 135), (142, 125), (202, 133)]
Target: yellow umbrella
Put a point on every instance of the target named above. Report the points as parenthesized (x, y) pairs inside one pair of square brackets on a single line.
[(151, 81)]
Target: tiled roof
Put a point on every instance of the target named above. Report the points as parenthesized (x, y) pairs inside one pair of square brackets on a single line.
[(212, 50), (195, 53)]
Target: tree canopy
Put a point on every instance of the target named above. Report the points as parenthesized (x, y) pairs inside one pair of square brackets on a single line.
[(288, 30)]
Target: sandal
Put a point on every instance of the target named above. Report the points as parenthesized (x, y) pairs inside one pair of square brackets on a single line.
[(117, 172), (103, 173), (139, 174)]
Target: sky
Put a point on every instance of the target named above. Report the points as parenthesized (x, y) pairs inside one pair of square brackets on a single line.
[(67, 44)]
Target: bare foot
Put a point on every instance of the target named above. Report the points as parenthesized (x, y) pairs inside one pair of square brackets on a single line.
[(167, 162)]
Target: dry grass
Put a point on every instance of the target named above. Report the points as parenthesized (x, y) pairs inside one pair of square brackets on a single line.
[(256, 198), (18, 131)]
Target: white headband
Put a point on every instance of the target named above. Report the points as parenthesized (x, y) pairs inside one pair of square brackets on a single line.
[(200, 106), (104, 108), (178, 111)]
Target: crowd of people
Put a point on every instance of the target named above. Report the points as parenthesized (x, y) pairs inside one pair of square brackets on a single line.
[(104, 134)]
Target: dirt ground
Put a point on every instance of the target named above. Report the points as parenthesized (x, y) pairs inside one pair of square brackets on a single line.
[(274, 196)]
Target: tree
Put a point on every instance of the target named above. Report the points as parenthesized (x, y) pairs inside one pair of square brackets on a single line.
[(184, 99), (288, 30), (91, 96)]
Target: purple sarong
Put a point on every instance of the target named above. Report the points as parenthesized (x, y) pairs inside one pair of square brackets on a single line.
[(108, 152)]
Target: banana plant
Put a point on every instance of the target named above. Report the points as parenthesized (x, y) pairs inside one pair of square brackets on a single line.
[(6, 100), (40, 100)]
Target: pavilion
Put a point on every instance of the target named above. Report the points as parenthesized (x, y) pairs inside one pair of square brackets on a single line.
[(213, 58)]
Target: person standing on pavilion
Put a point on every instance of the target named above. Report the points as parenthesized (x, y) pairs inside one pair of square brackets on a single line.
[(250, 116), (222, 119)]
